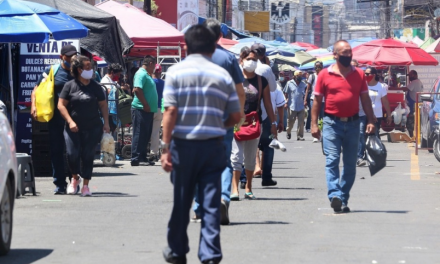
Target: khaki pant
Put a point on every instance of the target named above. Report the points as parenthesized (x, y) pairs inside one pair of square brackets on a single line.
[(291, 118), (155, 140)]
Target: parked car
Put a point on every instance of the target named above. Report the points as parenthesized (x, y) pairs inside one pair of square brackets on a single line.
[(430, 120), (8, 183)]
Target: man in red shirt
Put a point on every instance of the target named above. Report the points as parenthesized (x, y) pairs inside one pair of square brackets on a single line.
[(341, 85)]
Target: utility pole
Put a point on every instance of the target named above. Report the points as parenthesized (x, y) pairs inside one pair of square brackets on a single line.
[(224, 11), (387, 15)]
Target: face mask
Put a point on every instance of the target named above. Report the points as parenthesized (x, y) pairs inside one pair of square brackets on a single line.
[(345, 60), (87, 74), (369, 78), (249, 65), (115, 78), (281, 79), (66, 64)]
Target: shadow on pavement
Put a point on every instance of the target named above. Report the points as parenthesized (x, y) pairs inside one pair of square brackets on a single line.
[(280, 199), (296, 177), (260, 223), (112, 174), (379, 211), (285, 168), (25, 255), (112, 194)]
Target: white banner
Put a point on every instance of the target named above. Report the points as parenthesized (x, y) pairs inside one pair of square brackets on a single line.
[(187, 13)]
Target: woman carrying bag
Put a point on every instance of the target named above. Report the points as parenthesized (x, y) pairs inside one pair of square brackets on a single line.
[(245, 143), (79, 104)]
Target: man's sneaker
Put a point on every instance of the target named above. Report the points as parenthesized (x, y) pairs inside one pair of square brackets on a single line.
[(288, 136), (308, 130), (59, 190), (196, 219), (361, 162), (268, 183), (224, 213), (336, 204), (85, 191), (168, 256), (73, 187), (315, 140), (300, 139), (345, 209)]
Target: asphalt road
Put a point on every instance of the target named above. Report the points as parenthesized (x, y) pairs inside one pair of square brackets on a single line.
[(395, 216)]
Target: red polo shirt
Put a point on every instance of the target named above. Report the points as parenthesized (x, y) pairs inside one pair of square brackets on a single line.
[(341, 94)]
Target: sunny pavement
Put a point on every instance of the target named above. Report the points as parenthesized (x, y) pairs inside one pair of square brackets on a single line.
[(395, 216)]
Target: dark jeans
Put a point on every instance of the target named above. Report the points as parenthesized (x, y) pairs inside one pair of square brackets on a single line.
[(309, 113), (377, 126), (56, 144), (201, 163), (268, 152), (142, 123), (362, 138), (81, 148)]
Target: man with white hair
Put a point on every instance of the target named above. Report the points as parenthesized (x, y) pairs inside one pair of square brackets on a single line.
[(294, 92)]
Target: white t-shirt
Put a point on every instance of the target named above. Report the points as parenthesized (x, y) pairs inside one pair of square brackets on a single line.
[(376, 93), (415, 87), (265, 71), (277, 99)]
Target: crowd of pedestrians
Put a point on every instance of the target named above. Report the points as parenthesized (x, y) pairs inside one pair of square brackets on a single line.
[(218, 115)]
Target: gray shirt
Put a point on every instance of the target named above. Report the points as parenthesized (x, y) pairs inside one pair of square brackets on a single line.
[(202, 92), (295, 95)]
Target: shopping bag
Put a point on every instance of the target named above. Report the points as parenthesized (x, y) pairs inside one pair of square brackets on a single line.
[(275, 144), (44, 98), (376, 154), (108, 156)]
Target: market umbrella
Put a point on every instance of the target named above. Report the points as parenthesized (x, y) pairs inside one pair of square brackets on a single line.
[(227, 43), (319, 52), (384, 52), (434, 47), (355, 42), (427, 43), (326, 61), (27, 22), (308, 46), (300, 58)]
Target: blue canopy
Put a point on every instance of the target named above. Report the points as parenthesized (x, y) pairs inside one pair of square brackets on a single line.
[(355, 42), (311, 65), (28, 22)]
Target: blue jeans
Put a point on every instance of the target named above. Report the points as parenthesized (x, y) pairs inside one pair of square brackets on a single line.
[(56, 144), (337, 136), (268, 152), (226, 174), (142, 123), (362, 127), (196, 162)]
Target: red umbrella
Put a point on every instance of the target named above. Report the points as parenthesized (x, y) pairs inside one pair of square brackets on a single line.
[(382, 52), (308, 46), (227, 43)]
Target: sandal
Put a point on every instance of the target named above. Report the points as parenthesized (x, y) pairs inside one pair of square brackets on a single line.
[(250, 196), (234, 197), (258, 174)]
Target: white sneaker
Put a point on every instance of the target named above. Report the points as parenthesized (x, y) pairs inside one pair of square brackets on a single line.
[(73, 187), (315, 140)]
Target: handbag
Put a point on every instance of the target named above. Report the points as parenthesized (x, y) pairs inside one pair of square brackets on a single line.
[(44, 96), (251, 128)]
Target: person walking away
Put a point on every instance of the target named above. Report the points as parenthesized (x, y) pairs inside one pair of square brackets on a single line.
[(143, 108), (110, 81), (379, 98), (197, 93), (266, 160), (80, 102), (415, 86), (342, 85), (295, 92), (244, 152), (56, 124), (228, 62), (311, 83), (157, 119)]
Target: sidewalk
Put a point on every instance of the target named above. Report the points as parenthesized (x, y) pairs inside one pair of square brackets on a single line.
[(395, 216)]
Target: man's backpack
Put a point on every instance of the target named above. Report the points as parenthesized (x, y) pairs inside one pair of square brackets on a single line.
[(124, 106)]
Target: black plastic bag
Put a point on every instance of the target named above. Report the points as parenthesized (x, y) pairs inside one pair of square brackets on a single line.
[(376, 154)]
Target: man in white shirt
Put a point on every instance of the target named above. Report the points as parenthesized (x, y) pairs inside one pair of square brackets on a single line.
[(415, 86), (266, 71), (110, 81)]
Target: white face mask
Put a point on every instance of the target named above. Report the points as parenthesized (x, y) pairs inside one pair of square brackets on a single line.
[(249, 65), (87, 74)]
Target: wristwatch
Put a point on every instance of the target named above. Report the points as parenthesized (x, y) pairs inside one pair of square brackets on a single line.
[(164, 145), (274, 123)]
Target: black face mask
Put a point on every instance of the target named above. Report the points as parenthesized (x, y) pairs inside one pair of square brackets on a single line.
[(345, 60)]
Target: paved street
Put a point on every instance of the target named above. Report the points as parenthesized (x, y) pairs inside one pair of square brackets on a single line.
[(395, 216)]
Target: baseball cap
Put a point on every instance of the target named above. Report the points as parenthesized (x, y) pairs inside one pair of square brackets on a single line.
[(260, 48), (158, 68), (68, 50)]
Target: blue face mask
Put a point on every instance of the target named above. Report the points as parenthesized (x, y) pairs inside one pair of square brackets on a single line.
[(281, 79), (66, 64)]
